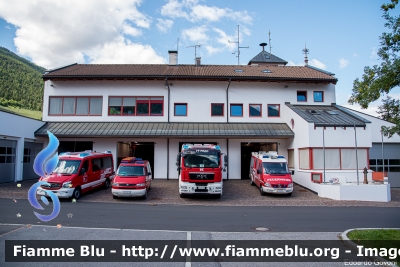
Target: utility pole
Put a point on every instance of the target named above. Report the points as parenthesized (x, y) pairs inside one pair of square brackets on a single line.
[(238, 47)]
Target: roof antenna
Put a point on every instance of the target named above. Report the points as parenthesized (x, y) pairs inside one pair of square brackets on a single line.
[(195, 47), (305, 52), (238, 47), (269, 37)]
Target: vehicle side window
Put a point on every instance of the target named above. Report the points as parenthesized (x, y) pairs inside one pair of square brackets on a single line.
[(85, 166), (96, 164), (148, 167), (260, 169), (251, 162), (107, 163)]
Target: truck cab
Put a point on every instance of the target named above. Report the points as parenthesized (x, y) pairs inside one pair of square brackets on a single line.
[(200, 169), (269, 171)]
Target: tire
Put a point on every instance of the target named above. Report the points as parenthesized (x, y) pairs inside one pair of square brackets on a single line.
[(251, 181), (289, 194), (115, 197), (77, 193), (218, 196), (145, 195), (261, 191), (182, 195), (106, 183)]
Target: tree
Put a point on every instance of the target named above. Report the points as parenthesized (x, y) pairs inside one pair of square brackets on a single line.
[(390, 111), (381, 79)]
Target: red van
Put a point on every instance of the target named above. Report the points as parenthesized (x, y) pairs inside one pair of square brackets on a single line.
[(269, 171), (79, 172), (133, 178)]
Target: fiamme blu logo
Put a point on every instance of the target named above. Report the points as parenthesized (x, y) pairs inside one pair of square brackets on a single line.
[(44, 164)]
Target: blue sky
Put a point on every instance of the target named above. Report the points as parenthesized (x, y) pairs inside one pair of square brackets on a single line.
[(342, 36)]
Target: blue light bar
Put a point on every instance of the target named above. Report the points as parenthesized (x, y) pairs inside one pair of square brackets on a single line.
[(139, 162), (281, 157), (84, 154), (185, 147), (138, 158), (265, 157), (218, 147)]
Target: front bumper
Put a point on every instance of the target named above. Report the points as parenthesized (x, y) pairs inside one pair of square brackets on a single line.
[(272, 190), (128, 192), (61, 193), (207, 188)]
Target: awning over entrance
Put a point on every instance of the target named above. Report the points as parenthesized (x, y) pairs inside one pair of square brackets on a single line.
[(165, 129)]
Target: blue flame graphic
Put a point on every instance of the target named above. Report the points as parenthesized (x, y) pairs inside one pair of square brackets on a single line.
[(44, 164), (47, 159)]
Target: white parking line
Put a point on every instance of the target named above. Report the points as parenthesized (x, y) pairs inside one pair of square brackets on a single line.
[(188, 245)]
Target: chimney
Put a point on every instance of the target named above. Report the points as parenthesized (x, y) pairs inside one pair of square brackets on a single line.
[(198, 61), (173, 57)]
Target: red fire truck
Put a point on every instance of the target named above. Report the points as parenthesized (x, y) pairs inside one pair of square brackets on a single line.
[(269, 171), (200, 169)]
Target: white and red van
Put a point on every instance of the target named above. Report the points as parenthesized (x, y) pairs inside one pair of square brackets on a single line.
[(269, 171), (133, 178), (79, 172)]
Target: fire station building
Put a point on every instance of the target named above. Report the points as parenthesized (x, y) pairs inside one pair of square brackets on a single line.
[(149, 111)]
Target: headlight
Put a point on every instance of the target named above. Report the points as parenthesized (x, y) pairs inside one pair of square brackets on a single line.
[(67, 185), (290, 185), (267, 184), (115, 184), (143, 184), (184, 187)]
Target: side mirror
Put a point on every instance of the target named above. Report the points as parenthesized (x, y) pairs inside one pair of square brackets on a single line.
[(292, 172), (258, 171), (224, 169), (149, 173), (226, 161), (177, 159), (83, 171)]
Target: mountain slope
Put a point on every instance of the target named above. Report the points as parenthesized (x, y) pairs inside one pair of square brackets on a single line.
[(20, 80)]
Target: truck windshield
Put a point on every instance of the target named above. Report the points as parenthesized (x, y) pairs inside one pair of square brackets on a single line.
[(130, 171), (67, 166), (275, 167), (202, 159)]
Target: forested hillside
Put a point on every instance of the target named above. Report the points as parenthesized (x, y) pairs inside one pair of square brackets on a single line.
[(21, 81)]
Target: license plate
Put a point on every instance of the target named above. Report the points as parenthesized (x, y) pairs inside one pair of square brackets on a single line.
[(281, 190), (127, 192), (201, 187)]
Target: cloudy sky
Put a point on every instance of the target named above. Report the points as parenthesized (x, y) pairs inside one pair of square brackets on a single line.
[(342, 36)]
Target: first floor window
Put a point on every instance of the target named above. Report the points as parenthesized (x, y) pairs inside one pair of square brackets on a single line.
[(318, 96), (301, 96), (135, 106), (79, 106), (236, 110), (273, 110), (217, 109), (255, 110), (291, 158), (180, 109), (304, 158)]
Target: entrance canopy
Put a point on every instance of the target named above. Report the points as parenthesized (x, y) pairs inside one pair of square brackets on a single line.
[(165, 129)]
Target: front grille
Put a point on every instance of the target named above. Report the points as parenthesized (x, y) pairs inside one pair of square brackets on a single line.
[(279, 186), (127, 184), (201, 176), (52, 185)]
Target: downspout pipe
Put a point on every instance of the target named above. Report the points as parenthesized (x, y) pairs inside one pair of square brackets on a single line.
[(166, 82), (227, 101)]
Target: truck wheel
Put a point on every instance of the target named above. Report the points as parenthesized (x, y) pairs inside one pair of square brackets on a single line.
[(106, 183), (251, 181), (218, 196), (77, 193), (182, 195), (115, 197), (261, 191), (289, 194)]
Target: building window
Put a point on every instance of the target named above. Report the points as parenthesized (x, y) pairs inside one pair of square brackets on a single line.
[(136, 106), (273, 110), (236, 110), (332, 159), (291, 158), (318, 96), (255, 110), (304, 158), (217, 109), (391, 165), (180, 109), (75, 106), (301, 96), (7, 155)]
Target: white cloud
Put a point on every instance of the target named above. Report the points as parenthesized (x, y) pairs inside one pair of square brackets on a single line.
[(192, 11), (355, 55), (374, 53), (223, 39), (8, 27), (291, 63), (343, 63), (316, 63), (196, 34), (213, 50), (164, 25), (371, 110), (56, 33)]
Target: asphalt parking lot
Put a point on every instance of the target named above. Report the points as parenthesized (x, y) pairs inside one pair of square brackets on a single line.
[(235, 193)]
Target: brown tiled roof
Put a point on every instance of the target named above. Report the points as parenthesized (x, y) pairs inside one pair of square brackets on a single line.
[(152, 71)]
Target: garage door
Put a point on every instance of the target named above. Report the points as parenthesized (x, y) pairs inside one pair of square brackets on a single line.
[(30, 152), (7, 160)]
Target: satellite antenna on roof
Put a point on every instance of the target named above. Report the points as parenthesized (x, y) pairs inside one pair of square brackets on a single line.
[(269, 37), (195, 47), (305, 52), (238, 47)]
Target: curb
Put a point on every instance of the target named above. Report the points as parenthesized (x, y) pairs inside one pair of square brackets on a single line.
[(354, 245)]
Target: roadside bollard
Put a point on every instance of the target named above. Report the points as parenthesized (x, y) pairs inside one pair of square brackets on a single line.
[(365, 176)]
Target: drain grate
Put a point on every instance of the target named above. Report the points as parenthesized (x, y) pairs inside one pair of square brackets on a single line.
[(262, 229)]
